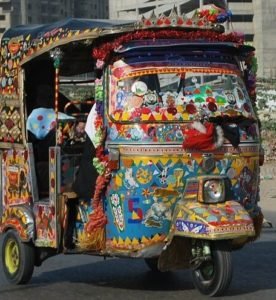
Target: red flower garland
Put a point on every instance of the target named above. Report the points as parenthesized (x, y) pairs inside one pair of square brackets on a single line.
[(103, 51)]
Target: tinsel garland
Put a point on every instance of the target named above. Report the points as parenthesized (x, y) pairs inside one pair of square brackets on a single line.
[(103, 51)]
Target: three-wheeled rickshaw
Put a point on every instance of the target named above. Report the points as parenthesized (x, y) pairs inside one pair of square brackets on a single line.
[(169, 106)]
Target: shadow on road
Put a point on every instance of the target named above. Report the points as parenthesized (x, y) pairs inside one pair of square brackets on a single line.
[(254, 270), (254, 266), (130, 274)]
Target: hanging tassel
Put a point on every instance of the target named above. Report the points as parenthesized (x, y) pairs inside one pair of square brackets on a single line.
[(95, 227)]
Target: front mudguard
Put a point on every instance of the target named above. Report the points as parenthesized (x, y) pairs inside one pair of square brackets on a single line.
[(213, 222), (228, 220)]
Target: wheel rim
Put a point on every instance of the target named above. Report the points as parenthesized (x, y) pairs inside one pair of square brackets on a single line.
[(207, 271), (12, 256)]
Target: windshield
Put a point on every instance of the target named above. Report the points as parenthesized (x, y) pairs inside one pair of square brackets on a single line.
[(171, 93)]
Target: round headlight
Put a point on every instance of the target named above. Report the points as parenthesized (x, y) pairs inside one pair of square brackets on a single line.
[(214, 191)]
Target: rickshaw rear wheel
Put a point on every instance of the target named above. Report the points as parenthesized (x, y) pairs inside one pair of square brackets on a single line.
[(214, 276), (18, 258), (152, 263)]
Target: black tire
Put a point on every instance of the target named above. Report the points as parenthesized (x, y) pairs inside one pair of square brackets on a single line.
[(152, 264), (213, 277), (18, 258)]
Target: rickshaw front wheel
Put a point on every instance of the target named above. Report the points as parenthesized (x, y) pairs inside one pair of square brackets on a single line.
[(18, 258), (214, 276)]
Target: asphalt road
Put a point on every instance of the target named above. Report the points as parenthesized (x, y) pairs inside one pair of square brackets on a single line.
[(86, 277), (80, 277)]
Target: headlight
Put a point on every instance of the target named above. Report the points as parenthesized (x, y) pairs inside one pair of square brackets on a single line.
[(214, 191), (208, 189)]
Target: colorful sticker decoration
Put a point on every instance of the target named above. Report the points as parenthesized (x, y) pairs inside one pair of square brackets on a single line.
[(16, 177), (117, 209), (45, 225), (186, 226), (10, 124), (194, 102), (157, 213)]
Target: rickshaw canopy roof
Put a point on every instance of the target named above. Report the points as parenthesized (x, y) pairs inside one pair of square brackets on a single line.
[(72, 24), (25, 41)]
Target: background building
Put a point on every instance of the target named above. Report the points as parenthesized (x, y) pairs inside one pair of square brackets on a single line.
[(5, 16), (91, 9), (15, 12), (255, 18)]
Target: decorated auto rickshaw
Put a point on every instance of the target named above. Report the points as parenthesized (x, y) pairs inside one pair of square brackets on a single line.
[(176, 144)]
